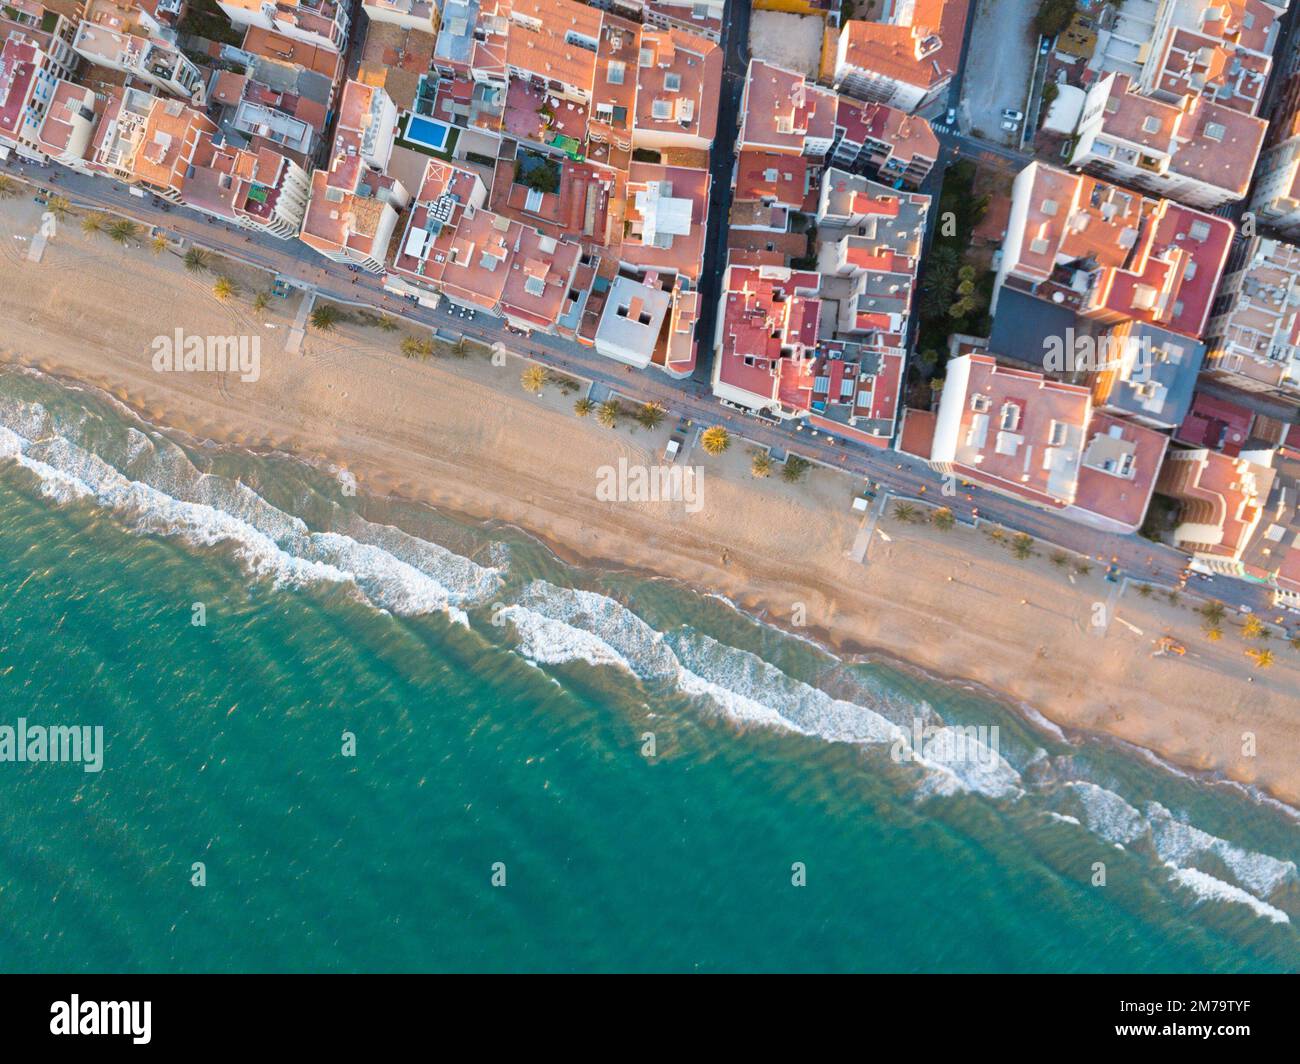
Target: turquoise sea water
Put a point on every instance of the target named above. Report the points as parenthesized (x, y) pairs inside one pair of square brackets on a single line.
[(501, 703)]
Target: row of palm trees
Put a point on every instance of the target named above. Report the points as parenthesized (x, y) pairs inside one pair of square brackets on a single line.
[(941, 518)]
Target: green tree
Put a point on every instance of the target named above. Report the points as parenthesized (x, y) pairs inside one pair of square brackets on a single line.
[(905, 513), (325, 317), (92, 224), (225, 289), (715, 440), (1253, 628), (158, 244), (943, 519), (196, 260), (609, 412), (533, 379), (417, 347), (1263, 658), (120, 230), (795, 469), (261, 301), (650, 415), (1213, 611), (760, 464), (59, 207), (1022, 545), (584, 406)]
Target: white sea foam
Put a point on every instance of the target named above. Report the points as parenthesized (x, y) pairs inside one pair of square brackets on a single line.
[(587, 626), (1181, 843), (207, 510), (1107, 814), (1207, 888)]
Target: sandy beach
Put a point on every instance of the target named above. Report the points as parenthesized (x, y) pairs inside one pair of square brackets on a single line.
[(462, 435)]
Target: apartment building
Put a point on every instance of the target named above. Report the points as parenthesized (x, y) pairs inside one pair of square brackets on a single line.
[(419, 15), (632, 322), (1254, 336), (1197, 150), (782, 112), (353, 210), (907, 61), (1109, 254), (320, 23), (31, 71), (700, 17), (678, 85), (869, 246), (895, 145), (117, 38), (263, 190), (1039, 441), (766, 336), (665, 220), (1237, 515)]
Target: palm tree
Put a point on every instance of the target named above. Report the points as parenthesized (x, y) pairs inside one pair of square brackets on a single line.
[(1083, 568), (1060, 559), (905, 512), (584, 406), (93, 223), (943, 519), (59, 207), (1213, 632), (460, 348), (325, 317), (1263, 658), (384, 323), (1295, 642), (195, 260), (650, 415), (760, 463), (261, 301), (533, 379), (1213, 611), (1173, 596), (414, 347), (158, 244), (795, 468), (225, 289), (8, 187), (120, 230), (609, 412), (1253, 628), (1145, 590), (1022, 545), (715, 440)]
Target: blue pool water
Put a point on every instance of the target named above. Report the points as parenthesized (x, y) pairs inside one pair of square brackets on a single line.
[(427, 132)]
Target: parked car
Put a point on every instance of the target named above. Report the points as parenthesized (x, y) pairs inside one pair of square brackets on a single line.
[(1045, 46), (950, 119), (1010, 127), (1012, 115)]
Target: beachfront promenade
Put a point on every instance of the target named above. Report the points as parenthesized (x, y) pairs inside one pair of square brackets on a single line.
[(896, 473)]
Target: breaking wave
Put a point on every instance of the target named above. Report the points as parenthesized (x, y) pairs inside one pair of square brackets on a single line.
[(391, 569)]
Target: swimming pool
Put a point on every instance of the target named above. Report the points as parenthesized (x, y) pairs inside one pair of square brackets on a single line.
[(427, 132)]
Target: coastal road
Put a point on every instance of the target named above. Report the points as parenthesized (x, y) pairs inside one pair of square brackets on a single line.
[(888, 470)]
